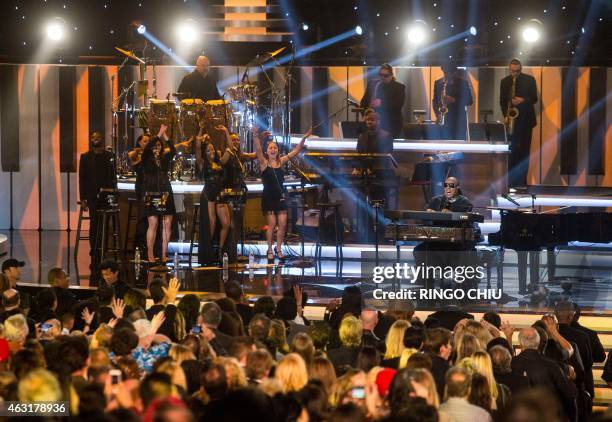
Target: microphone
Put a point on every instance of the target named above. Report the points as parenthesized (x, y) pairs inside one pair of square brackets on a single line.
[(510, 199), (352, 102)]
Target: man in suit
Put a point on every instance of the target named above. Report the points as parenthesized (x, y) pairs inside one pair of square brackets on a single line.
[(543, 372), (386, 96), (96, 171), (453, 93), (438, 346), (564, 312), (210, 316), (502, 370), (525, 96), (597, 349), (458, 386)]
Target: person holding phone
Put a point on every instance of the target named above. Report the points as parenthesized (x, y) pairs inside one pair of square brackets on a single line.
[(273, 199)]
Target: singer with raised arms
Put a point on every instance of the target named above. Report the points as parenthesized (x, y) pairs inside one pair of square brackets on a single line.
[(274, 196)]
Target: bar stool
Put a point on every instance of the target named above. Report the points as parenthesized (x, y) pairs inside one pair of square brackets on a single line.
[(79, 235), (131, 216), (195, 227), (339, 237), (108, 241)]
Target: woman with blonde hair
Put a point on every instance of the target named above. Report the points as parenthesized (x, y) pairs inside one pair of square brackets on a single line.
[(303, 346), (466, 345), (395, 343), (499, 392), (291, 373), (278, 339), (180, 353), (478, 330), (323, 370), (343, 389)]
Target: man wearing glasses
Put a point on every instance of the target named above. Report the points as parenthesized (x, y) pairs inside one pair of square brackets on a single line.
[(452, 200), (386, 97)]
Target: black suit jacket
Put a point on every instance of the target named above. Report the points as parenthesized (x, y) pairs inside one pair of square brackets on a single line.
[(544, 372), (439, 367), (392, 96), (515, 382), (597, 349), (525, 88), (455, 119), (343, 356), (582, 341), (65, 301), (96, 171)]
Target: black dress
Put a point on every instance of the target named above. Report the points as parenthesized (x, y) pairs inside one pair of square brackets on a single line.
[(156, 180), (273, 196), (214, 180)]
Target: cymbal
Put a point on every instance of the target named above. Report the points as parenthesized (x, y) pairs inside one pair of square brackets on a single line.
[(130, 54), (264, 57)]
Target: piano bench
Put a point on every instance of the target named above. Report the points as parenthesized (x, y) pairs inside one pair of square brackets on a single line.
[(490, 258)]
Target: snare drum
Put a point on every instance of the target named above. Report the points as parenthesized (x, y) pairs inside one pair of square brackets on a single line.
[(192, 111)]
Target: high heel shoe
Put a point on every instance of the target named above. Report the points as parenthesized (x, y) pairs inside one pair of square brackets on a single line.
[(279, 253)]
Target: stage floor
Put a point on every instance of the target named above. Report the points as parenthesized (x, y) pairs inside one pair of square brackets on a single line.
[(585, 279)]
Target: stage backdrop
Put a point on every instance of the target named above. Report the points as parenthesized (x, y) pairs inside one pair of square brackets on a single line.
[(47, 112)]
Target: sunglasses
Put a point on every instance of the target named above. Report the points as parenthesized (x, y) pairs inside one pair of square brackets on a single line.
[(385, 75), (450, 185)]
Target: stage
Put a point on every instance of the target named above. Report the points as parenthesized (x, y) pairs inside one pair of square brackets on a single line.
[(583, 278)]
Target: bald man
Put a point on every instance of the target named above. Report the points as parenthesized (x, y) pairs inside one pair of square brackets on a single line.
[(199, 83)]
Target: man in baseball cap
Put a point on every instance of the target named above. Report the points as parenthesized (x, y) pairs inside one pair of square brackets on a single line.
[(11, 268)]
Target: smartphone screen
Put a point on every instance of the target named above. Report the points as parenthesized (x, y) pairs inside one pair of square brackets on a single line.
[(358, 392), (196, 329), (45, 327)]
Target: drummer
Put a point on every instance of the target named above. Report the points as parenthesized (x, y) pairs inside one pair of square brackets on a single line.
[(199, 83)]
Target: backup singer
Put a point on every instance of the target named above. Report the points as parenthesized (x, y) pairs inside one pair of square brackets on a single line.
[(453, 93), (135, 157), (96, 171), (199, 83), (214, 174), (386, 96), (274, 196), (519, 91), (159, 201)]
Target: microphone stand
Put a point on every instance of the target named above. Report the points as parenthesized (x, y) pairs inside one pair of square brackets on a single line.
[(302, 262)]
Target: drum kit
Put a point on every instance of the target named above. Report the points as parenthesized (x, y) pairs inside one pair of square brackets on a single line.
[(241, 108)]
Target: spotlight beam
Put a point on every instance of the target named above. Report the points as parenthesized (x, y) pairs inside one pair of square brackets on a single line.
[(167, 51)]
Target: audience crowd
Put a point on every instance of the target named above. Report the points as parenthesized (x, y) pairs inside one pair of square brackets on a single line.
[(114, 358)]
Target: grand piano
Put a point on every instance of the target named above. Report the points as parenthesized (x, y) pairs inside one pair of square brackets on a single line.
[(528, 233)]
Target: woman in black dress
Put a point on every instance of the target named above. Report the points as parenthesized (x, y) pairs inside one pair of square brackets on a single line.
[(273, 199), (214, 174), (158, 199)]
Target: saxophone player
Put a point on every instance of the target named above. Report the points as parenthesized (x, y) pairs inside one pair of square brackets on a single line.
[(452, 94), (518, 94), (386, 96)]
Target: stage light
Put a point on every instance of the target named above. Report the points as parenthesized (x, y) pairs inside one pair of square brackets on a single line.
[(55, 29), (187, 31), (417, 32), (305, 27), (473, 31), (358, 30), (141, 29), (531, 32)]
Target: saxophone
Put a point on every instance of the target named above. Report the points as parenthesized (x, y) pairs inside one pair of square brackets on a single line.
[(512, 112), (443, 109)]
